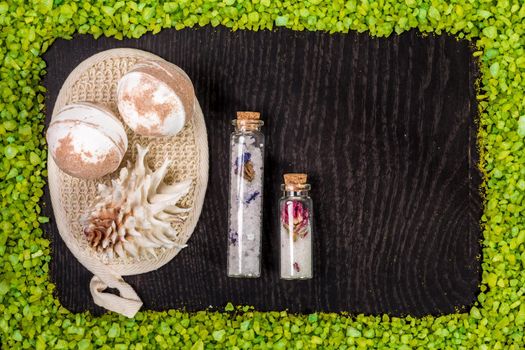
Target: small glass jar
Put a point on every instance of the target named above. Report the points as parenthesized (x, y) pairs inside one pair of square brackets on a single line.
[(246, 193), (296, 223)]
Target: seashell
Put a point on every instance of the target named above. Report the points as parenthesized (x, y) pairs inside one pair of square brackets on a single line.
[(133, 216), (155, 98), (86, 140)]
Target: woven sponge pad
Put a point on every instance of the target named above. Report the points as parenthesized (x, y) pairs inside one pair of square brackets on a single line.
[(95, 80)]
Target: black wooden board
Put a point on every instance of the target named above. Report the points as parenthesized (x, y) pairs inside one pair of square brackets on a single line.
[(386, 129)]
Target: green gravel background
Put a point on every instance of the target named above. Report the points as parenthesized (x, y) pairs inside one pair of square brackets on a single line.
[(30, 317)]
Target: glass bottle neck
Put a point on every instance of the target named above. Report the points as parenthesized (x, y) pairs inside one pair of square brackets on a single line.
[(295, 191), (247, 125), (300, 193)]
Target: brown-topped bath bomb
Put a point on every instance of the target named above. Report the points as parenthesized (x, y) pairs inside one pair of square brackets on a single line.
[(155, 98), (86, 140)]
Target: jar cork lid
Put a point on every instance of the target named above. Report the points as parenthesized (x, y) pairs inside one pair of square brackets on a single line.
[(295, 181), (248, 120), (248, 115)]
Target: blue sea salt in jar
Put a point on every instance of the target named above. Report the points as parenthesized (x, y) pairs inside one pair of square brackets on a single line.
[(246, 191)]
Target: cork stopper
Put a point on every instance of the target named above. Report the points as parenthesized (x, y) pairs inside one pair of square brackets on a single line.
[(295, 179), (248, 115), (295, 182), (248, 120)]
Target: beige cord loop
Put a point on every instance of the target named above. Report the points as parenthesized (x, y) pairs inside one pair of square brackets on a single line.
[(95, 80), (127, 304)]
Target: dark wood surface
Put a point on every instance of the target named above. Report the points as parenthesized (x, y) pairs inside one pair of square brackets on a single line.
[(384, 127)]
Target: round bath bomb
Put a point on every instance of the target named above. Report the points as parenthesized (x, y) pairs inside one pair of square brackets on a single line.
[(155, 98), (86, 140)]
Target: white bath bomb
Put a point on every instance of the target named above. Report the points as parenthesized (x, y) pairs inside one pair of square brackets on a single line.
[(155, 98), (86, 140)]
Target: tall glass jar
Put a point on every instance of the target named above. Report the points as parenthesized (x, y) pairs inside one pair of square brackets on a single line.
[(246, 193), (296, 223)]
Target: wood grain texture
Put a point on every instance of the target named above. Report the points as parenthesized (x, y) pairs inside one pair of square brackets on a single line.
[(385, 129)]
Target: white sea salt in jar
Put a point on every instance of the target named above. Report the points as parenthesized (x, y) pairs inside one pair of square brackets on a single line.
[(246, 191), (295, 222)]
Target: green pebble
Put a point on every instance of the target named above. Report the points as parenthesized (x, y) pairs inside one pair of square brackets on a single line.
[(434, 13), (4, 287), (474, 312), (521, 126), (114, 331), (353, 332), (10, 125), (43, 219), (491, 53), (281, 21), (199, 345), (245, 325), (10, 152), (490, 32), (84, 344), (219, 335), (34, 158), (494, 69), (312, 318), (12, 173), (253, 17), (4, 7), (25, 130)]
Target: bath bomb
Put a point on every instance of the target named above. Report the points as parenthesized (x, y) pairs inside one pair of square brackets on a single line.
[(86, 140), (155, 98)]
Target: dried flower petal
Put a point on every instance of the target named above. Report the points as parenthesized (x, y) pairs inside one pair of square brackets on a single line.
[(297, 213)]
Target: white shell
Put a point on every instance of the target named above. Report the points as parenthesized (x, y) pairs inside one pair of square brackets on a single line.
[(132, 217), (86, 140), (155, 98)]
